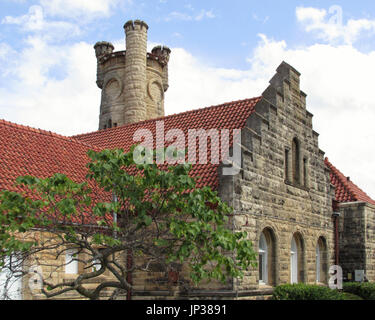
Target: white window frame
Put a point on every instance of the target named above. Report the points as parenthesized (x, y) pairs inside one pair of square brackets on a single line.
[(71, 264), (96, 264)]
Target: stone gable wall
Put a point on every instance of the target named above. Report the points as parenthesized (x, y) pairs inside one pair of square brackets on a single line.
[(264, 197)]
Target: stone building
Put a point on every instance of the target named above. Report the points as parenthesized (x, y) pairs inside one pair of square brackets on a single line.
[(301, 213)]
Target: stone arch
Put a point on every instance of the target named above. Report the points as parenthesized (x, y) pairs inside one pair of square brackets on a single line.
[(297, 258), (267, 259), (155, 90), (112, 88), (321, 260)]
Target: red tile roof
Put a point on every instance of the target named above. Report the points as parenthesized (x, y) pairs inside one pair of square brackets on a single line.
[(29, 151), (345, 189), (230, 116)]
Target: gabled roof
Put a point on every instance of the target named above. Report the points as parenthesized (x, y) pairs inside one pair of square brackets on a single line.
[(28, 151), (345, 189), (231, 115)]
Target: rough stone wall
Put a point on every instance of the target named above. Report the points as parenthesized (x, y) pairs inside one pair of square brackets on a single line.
[(370, 241), (52, 265), (155, 90), (265, 198), (357, 239), (112, 99)]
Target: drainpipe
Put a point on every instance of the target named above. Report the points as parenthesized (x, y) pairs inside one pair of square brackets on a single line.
[(336, 216), (129, 260), (129, 279)]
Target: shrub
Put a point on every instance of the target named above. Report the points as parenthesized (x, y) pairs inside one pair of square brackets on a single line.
[(302, 291), (365, 290)]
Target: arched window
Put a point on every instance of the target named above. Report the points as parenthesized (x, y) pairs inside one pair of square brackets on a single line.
[(318, 262), (295, 161), (297, 259), (267, 257), (321, 261), (294, 262), (263, 260)]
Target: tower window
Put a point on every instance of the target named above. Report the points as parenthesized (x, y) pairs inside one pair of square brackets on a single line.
[(109, 123)]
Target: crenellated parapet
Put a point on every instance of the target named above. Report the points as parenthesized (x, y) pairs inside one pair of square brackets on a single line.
[(102, 49), (133, 81), (163, 54)]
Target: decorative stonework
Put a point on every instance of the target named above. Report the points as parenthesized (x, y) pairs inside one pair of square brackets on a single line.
[(113, 88)]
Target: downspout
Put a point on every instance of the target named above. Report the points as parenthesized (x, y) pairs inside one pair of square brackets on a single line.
[(336, 215), (129, 261), (129, 279)]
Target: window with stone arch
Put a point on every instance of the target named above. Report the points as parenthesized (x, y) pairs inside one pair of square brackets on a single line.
[(297, 252), (267, 257), (296, 161), (321, 261)]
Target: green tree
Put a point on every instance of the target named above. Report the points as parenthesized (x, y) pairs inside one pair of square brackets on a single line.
[(155, 214)]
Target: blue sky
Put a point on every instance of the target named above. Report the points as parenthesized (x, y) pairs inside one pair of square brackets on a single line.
[(221, 51)]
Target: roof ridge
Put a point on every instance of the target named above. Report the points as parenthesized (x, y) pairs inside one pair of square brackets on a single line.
[(171, 115), (46, 132), (347, 183)]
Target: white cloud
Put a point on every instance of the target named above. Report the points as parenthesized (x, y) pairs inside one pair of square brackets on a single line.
[(203, 14), (36, 98), (5, 50), (79, 8), (34, 21), (262, 20), (330, 27)]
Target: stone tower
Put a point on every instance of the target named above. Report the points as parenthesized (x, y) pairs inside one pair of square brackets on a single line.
[(133, 82)]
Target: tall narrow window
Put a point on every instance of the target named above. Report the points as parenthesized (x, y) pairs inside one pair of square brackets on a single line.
[(267, 257), (263, 260), (297, 252), (294, 262), (321, 261), (305, 172), (295, 161), (286, 161), (317, 261), (109, 123)]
